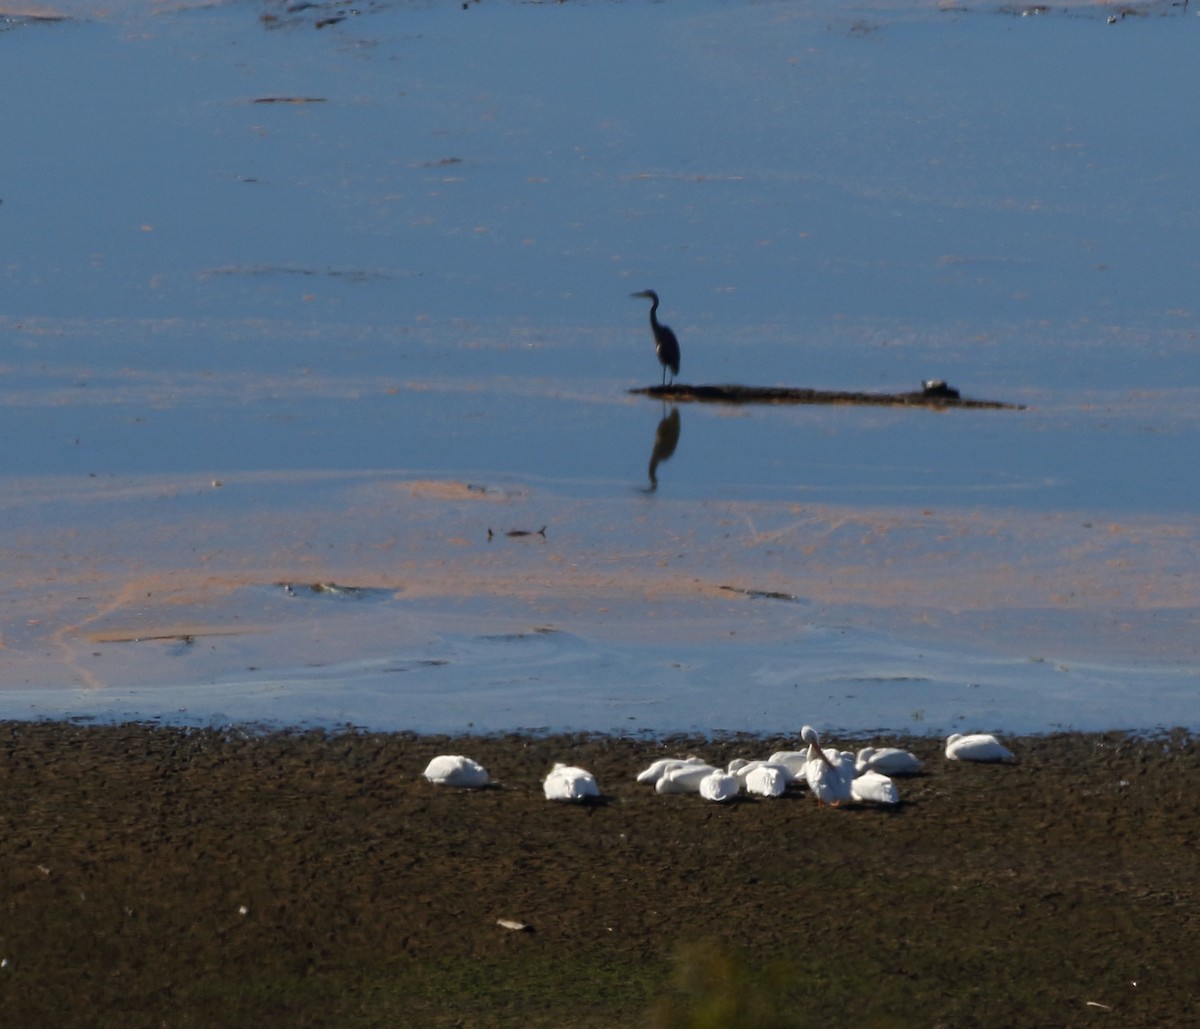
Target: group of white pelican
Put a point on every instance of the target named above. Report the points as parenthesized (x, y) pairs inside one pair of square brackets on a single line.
[(834, 777)]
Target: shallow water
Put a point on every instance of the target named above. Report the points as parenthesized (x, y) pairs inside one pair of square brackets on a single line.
[(251, 343)]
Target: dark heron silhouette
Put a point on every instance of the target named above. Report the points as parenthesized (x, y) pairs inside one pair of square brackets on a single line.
[(665, 343), (666, 439)]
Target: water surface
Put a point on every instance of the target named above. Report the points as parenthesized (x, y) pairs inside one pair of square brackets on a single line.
[(289, 305)]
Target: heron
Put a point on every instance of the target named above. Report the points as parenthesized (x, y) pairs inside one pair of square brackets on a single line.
[(666, 439), (666, 346)]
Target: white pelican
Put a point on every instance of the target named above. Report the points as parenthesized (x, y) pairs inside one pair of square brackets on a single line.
[(829, 775), (874, 788), (767, 780), (888, 760), (655, 772), (456, 770), (683, 779), (793, 760), (977, 747), (742, 768), (720, 786), (566, 782)]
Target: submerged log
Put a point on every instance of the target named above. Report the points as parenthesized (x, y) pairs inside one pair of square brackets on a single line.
[(933, 393)]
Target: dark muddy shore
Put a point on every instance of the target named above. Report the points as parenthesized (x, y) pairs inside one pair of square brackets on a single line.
[(158, 876)]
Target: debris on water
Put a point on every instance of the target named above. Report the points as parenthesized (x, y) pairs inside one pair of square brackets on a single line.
[(186, 638), (334, 589), (516, 533), (939, 396), (537, 630), (761, 594)]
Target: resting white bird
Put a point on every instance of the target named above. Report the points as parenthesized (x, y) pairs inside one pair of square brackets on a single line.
[(874, 788), (767, 780), (683, 779), (829, 775), (720, 786), (456, 770), (977, 747), (655, 772), (793, 760), (742, 769), (887, 760), (566, 782)]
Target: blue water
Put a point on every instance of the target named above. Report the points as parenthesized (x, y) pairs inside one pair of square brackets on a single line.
[(423, 273)]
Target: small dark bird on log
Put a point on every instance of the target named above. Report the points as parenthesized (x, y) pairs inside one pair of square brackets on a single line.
[(665, 343), (938, 388)]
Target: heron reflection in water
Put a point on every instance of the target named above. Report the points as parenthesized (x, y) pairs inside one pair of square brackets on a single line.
[(666, 439), (666, 346)]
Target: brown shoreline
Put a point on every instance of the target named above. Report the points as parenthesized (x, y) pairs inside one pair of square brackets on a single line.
[(168, 876)]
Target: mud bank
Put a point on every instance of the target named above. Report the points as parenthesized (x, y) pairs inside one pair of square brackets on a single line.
[(202, 877)]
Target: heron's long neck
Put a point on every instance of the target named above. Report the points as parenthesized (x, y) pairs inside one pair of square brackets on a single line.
[(654, 312)]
